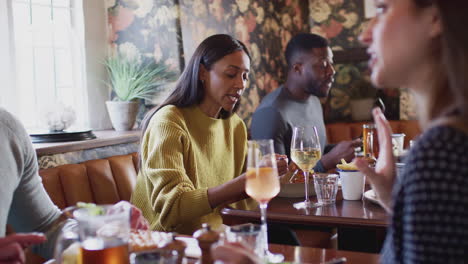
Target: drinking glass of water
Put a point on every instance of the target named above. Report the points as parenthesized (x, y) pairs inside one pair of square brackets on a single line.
[(326, 187)]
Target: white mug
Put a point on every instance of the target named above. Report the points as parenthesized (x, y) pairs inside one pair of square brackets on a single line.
[(352, 184)]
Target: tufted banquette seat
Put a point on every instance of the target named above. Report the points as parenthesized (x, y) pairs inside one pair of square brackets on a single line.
[(101, 181)]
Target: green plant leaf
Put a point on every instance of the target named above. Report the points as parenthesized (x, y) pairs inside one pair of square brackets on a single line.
[(131, 79)]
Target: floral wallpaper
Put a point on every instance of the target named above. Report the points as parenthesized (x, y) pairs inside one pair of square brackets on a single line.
[(169, 30), (145, 29), (338, 20)]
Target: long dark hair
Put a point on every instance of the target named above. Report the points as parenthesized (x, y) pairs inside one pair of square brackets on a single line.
[(451, 97), (189, 89)]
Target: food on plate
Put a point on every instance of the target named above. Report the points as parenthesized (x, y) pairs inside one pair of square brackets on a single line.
[(294, 175), (142, 240), (298, 177), (346, 166)]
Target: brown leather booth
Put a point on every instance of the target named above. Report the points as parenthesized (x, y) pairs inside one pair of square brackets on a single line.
[(337, 132), (101, 181)]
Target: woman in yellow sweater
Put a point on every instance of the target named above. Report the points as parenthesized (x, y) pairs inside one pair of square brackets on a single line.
[(193, 147)]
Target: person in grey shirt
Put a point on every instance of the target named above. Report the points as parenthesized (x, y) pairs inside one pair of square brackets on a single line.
[(309, 77), (24, 203)]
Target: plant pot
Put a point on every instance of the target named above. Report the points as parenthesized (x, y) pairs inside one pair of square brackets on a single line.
[(122, 114), (361, 109)]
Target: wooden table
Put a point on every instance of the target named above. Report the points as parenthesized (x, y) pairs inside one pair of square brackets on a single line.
[(307, 255), (291, 253), (342, 214), (352, 219), (315, 255), (318, 255)]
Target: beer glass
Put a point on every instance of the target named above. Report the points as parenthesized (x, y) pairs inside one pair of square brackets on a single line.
[(368, 139), (101, 235)]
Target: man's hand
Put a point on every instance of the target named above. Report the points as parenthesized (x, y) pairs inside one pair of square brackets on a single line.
[(282, 163), (343, 150), (12, 246)]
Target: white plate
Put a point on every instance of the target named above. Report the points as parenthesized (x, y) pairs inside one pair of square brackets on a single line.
[(370, 195)]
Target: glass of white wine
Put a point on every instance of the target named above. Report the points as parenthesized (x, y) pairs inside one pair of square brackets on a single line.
[(262, 184), (305, 152)]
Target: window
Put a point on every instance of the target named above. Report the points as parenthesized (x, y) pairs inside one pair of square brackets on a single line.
[(48, 59)]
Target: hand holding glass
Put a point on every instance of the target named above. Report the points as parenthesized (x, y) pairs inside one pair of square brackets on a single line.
[(305, 152), (262, 184)]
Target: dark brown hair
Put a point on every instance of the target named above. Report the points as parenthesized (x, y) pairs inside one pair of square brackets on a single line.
[(189, 89), (451, 95)]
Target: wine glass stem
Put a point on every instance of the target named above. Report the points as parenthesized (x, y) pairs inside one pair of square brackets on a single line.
[(306, 184), (263, 211)]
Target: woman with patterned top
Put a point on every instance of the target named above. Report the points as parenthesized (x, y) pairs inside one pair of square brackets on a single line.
[(193, 147), (422, 45)]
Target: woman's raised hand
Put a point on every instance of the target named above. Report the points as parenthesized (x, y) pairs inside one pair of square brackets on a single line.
[(382, 177)]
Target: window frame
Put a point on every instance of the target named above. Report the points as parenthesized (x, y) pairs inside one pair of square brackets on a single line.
[(94, 35)]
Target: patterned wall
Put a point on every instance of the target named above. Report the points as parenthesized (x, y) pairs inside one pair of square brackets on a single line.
[(146, 29), (165, 30)]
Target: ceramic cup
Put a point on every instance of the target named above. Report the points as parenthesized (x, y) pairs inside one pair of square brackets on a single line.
[(352, 184), (398, 143)]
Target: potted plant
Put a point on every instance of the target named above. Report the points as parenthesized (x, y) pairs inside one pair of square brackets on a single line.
[(362, 98), (131, 80)]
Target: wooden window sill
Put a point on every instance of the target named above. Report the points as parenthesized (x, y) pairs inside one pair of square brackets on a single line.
[(103, 138)]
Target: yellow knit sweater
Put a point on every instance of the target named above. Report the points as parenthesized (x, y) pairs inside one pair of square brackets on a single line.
[(185, 152)]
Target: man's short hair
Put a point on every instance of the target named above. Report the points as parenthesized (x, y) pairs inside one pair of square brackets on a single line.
[(303, 42)]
